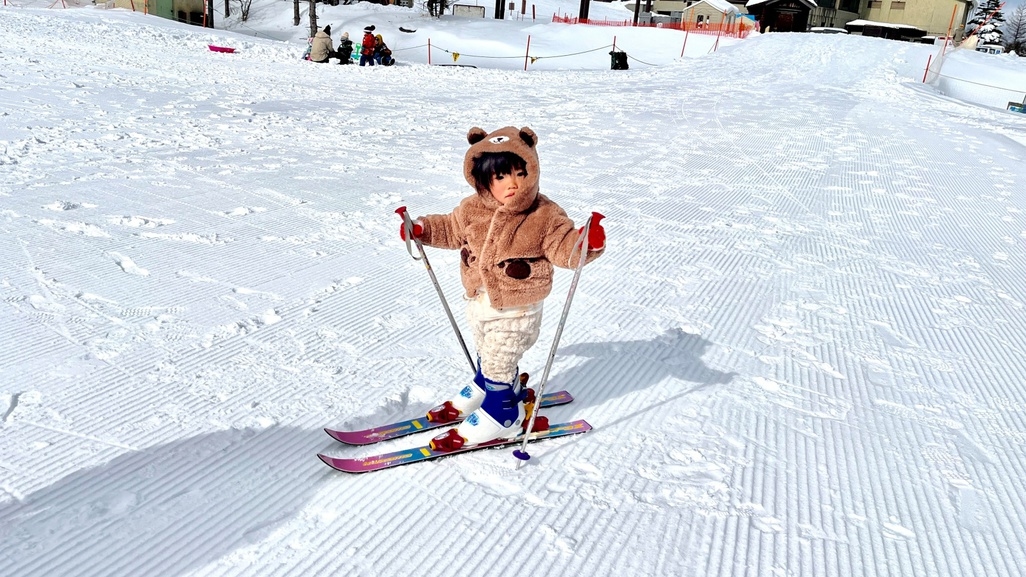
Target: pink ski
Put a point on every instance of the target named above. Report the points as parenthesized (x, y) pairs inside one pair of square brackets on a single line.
[(426, 453)]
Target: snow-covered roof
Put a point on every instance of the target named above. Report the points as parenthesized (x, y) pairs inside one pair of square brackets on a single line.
[(750, 3), (720, 5), (861, 22)]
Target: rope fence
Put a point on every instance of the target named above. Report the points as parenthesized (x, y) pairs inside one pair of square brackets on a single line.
[(456, 55), (1005, 97), (531, 59), (980, 83)]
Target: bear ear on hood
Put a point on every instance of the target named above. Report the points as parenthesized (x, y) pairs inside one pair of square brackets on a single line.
[(475, 135), (528, 136)]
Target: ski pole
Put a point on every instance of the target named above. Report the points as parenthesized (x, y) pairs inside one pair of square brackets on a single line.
[(408, 227), (595, 217)]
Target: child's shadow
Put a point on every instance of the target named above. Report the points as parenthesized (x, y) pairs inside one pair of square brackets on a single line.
[(617, 369), (163, 510)]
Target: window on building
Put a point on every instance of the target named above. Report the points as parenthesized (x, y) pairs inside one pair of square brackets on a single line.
[(897, 5), (849, 5), (875, 4)]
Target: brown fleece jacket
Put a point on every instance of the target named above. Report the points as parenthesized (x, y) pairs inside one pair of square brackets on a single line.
[(508, 249)]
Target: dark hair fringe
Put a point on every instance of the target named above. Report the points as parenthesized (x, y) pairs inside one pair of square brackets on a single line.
[(490, 164)]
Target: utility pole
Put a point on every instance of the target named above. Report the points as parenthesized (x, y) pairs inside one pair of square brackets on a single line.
[(295, 13), (582, 13), (500, 9), (227, 9)]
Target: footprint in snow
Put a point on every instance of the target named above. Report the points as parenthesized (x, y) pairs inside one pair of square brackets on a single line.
[(66, 205), (128, 265), (768, 524), (243, 211), (139, 221), (897, 532)]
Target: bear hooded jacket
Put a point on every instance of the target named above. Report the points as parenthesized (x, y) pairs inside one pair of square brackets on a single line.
[(509, 250)]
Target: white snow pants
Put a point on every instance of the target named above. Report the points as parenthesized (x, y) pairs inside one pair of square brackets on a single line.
[(502, 336)]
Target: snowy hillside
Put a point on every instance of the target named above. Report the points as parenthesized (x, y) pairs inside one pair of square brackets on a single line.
[(802, 354)]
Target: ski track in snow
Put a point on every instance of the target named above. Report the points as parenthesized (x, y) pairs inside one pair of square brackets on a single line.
[(802, 355)]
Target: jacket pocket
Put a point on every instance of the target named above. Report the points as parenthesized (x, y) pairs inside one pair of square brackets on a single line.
[(528, 271)]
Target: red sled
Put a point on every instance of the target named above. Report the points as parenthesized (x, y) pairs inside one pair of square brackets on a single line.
[(224, 49)]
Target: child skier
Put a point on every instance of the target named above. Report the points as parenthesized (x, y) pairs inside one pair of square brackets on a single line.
[(510, 236)]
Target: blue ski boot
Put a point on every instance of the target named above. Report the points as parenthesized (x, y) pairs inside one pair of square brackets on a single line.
[(501, 416)]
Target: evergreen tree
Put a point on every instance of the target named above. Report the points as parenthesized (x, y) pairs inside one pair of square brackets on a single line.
[(990, 32)]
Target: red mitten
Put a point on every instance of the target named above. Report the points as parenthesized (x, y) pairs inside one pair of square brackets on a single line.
[(596, 234), (417, 230)]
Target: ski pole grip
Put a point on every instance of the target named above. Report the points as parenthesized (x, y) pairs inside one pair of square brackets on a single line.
[(408, 227)]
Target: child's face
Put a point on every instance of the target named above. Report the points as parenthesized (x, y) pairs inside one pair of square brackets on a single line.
[(505, 186)]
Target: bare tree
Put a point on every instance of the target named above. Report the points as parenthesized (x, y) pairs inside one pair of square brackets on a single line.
[(313, 18), (1015, 31), (244, 6), (436, 8)]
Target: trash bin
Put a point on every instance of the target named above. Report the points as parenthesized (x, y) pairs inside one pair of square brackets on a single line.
[(618, 60)]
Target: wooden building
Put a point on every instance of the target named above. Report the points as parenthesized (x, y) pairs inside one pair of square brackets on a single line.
[(781, 15)]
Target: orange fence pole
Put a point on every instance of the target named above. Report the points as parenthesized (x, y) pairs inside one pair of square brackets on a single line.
[(685, 42), (429, 52), (951, 25), (928, 60)]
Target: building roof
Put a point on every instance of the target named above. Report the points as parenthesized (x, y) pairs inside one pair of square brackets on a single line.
[(861, 22), (750, 3), (720, 5)]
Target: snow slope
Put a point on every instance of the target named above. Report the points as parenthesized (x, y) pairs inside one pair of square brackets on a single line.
[(802, 353)]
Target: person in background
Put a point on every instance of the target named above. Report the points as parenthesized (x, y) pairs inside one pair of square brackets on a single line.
[(321, 50), (367, 47), (382, 54), (345, 49)]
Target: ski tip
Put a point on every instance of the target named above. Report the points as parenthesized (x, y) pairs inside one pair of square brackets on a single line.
[(522, 455), (338, 436)]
